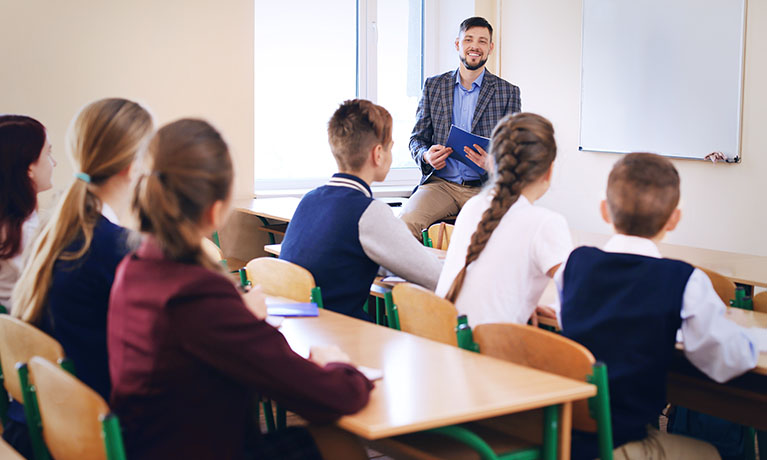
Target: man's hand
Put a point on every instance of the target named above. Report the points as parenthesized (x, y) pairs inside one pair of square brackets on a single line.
[(544, 311), (436, 155), (479, 156)]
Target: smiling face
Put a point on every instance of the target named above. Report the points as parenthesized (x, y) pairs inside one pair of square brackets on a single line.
[(474, 47)]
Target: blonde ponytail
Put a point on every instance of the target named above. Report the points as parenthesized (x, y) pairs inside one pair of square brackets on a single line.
[(105, 139)]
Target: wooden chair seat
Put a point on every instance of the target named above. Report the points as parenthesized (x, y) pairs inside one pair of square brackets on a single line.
[(425, 314)]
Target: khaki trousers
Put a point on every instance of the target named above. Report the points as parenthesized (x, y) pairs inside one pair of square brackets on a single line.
[(435, 200), (665, 446)]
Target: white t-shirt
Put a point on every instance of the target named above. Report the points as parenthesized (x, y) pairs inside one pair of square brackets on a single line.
[(505, 283), (10, 269)]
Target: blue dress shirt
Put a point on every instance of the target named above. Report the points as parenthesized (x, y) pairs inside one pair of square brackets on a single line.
[(464, 106)]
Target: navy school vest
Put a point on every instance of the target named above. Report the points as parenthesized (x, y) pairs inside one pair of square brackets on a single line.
[(625, 308)]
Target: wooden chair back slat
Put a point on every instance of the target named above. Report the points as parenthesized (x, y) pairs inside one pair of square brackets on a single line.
[(425, 314), (723, 286), (760, 302), (281, 278), (212, 250), (543, 350), (440, 235), (20, 341), (70, 411)]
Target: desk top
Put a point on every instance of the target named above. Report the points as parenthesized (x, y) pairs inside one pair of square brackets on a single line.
[(281, 208), (740, 268), (428, 384), (276, 248)]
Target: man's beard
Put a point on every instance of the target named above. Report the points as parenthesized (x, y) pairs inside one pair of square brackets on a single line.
[(473, 67)]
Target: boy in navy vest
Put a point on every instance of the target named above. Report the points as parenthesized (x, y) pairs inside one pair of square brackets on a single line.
[(625, 303), (340, 233)]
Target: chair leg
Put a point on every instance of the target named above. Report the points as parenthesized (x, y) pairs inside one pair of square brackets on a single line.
[(281, 417), (749, 440), (268, 415), (550, 432)]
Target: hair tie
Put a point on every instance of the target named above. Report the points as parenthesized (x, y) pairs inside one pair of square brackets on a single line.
[(83, 177)]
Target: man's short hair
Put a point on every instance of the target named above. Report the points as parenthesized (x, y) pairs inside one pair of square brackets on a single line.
[(642, 192), (475, 21), (357, 126)]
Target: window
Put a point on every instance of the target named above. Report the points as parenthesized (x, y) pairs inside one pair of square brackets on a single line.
[(309, 57)]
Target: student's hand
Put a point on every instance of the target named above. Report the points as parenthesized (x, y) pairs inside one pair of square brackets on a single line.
[(541, 310), (478, 156), (324, 354), (437, 155), (255, 300)]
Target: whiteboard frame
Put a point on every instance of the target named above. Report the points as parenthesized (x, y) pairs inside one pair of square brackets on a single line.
[(741, 89)]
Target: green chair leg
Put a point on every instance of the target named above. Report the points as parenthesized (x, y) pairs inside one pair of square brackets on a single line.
[(113, 440), (268, 415), (599, 407), (316, 296), (365, 306), (392, 314), (749, 446), (216, 239), (266, 224), (32, 414), (550, 432), (281, 417), (380, 320)]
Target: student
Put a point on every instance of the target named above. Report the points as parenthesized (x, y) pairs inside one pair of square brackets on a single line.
[(340, 233), (186, 350), (626, 303), (64, 289), (504, 249), (26, 167)]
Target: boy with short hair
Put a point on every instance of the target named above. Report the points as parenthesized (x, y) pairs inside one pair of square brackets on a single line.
[(340, 233), (625, 303)]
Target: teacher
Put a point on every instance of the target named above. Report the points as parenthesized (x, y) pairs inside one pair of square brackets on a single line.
[(471, 98)]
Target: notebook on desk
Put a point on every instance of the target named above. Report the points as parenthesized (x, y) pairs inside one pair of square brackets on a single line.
[(292, 309)]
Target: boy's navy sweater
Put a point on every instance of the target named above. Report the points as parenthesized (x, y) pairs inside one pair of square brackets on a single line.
[(625, 309)]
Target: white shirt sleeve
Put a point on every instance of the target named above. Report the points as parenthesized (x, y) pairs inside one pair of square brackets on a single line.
[(552, 244), (559, 282), (714, 344)]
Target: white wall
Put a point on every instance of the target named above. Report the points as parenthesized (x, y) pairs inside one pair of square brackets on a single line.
[(181, 57), (722, 205)]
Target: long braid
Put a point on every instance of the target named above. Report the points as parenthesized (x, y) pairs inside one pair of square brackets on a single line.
[(523, 147)]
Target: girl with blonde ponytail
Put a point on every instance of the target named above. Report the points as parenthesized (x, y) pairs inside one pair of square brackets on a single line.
[(184, 344), (504, 249), (64, 288)]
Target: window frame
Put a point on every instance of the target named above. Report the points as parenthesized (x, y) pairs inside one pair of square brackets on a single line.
[(402, 178)]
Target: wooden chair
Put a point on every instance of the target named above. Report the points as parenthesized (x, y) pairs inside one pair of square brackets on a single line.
[(77, 423), (212, 250), (760, 302), (440, 234), (723, 286), (424, 313), (20, 341), (533, 347), (281, 278)]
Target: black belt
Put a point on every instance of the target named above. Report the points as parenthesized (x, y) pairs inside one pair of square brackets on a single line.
[(471, 183)]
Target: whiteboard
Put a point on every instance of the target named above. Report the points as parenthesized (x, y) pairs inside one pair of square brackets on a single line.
[(662, 76)]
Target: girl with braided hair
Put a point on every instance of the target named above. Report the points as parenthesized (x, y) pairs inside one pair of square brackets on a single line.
[(504, 249)]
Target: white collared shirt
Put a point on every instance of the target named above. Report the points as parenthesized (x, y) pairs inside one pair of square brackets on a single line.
[(713, 343), (109, 213)]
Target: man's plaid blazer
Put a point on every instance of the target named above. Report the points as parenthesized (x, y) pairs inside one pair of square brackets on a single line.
[(497, 97)]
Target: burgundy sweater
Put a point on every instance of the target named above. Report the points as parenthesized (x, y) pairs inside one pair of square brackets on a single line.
[(185, 355)]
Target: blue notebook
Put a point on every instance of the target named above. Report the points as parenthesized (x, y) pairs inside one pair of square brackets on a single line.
[(292, 309), (457, 139)]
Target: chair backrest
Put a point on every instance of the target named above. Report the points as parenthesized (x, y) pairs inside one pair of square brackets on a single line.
[(440, 235), (281, 278), (20, 341), (72, 414), (425, 314), (212, 250), (760, 302), (543, 350), (723, 286)]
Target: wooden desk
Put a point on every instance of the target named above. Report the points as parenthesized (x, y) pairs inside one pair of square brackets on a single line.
[(428, 384), (742, 400), (740, 268), (270, 209)]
